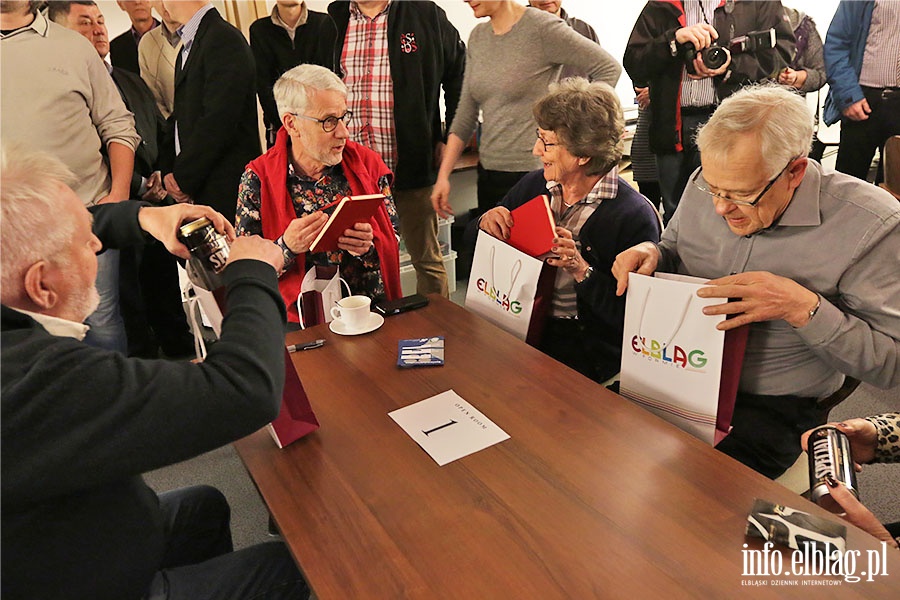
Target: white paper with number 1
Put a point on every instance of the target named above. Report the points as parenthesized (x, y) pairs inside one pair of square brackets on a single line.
[(447, 427)]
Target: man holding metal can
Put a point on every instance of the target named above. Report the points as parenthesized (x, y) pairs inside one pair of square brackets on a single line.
[(80, 424)]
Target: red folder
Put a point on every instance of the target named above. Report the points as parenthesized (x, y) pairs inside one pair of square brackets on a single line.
[(349, 211), (533, 227), (296, 417)]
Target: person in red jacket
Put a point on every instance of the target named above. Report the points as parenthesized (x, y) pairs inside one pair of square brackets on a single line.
[(312, 164)]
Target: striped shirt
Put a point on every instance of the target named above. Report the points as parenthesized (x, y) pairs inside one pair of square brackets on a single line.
[(188, 32), (698, 92), (370, 92), (881, 59), (573, 218)]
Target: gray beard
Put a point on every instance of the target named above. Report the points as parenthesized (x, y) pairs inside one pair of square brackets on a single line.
[(85, 303)]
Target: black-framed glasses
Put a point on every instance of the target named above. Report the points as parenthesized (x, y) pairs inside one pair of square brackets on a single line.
[(329, 124), (546, 144), (740, 201)]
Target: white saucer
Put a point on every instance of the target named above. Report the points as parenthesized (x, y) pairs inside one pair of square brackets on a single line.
[(375, 321)]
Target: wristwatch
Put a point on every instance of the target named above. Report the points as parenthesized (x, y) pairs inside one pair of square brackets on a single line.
[(587, 274)]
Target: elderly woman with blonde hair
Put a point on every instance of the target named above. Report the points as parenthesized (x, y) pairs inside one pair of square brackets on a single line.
[(597, 213)]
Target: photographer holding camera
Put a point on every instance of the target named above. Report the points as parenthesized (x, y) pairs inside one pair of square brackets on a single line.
[(694, 54)]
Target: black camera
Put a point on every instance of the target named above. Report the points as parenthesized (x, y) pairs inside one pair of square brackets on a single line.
[(713, 57)]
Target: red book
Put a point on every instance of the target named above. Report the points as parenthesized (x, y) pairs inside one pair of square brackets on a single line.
[(533, 227), (348, 211)]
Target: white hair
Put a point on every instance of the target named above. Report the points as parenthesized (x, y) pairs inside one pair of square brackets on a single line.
[(774, 113), (294, 87), (32, 227)]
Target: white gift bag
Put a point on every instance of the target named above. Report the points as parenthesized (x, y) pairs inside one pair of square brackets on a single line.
[(507, 289), (673, 355), (202, 307), (317, 296)]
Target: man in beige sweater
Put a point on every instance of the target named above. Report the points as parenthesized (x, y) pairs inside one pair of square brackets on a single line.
[(157, 54)]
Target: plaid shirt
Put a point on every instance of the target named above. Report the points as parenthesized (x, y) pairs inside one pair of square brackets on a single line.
[(367, 74), (573, 218)]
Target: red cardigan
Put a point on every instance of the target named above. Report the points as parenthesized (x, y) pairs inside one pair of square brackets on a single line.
[(363, 168)]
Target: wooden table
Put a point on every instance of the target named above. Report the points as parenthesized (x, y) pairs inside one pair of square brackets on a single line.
[(591, 497)]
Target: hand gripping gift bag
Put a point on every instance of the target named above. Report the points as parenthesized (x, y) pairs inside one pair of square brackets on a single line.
[(509, 288), (675, 363)]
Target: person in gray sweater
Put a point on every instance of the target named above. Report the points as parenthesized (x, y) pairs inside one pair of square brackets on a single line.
[(510, 61)]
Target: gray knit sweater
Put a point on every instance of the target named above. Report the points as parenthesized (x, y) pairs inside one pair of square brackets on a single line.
[(506, 74)]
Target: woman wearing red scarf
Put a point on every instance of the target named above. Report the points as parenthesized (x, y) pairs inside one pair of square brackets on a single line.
[(312, 164)]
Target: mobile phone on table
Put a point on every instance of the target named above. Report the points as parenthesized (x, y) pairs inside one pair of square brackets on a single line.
[(393, 307)]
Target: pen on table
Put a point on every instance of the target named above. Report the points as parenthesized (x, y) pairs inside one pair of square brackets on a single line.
[(306, 346)]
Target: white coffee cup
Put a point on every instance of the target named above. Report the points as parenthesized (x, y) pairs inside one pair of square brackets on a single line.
[(353, 311)]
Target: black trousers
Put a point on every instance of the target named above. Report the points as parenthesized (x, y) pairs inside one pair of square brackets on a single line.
[(150, 300), (859, 139), (675, 168), (566, 341), (766, 431), (199, 563), (493, 185)]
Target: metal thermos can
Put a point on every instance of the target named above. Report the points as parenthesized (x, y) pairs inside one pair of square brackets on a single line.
[(209, 251), (829, 453)]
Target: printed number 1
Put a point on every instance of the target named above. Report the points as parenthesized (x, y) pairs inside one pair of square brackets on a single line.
[(440, 427)]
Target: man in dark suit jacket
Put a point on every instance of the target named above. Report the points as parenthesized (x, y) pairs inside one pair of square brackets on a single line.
[(216, 131), (150, 293), (124, 48)]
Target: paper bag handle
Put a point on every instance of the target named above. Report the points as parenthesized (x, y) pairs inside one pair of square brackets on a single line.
[(513, 272), (199, 342), (677, 326)]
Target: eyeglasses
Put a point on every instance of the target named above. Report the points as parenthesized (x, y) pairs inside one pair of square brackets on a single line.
[(741, 201), (329, 124), (543, 141)]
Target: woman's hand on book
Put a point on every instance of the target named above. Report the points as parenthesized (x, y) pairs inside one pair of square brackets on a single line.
[(303, 230)]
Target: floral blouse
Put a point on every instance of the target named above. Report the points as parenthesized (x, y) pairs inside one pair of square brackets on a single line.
[(362, 273)]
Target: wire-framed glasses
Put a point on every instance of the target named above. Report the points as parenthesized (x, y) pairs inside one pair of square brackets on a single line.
[(747, 200)]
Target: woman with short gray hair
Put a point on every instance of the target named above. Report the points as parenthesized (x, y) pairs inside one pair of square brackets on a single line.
[(597, 214), (575, 102)]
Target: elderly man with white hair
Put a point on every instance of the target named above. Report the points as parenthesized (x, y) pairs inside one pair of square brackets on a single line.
[(807, 256), (80, 424), (312, 164)]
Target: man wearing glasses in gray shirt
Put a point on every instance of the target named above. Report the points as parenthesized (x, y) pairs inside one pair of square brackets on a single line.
[(807, 256)]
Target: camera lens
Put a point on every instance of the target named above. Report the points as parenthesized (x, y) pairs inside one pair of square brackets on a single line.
[(714, 57)]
